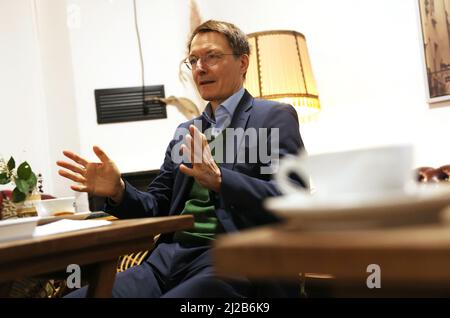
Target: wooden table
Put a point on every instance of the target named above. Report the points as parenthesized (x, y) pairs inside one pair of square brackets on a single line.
[(413, 260), (98, 248)]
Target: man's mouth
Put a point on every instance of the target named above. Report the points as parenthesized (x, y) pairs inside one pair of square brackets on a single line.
[(206, 82)]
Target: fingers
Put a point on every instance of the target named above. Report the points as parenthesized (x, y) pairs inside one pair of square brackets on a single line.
[(188, 148), (72, 176), (197, 142), (101, 154), (192, 129), (187, 154), (75, 157), (186, 170), (193, 150), (71, 167), (97, 150), (79, 188), (204, 141), (196, 134), (198, 137)]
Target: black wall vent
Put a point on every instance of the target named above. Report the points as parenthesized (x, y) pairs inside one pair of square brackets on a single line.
[(127, 104)]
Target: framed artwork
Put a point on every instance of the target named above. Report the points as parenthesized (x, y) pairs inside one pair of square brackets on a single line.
[(435, 26)]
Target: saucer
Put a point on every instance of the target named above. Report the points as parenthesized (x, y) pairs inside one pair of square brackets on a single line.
[(418, 205), (74, 216), (14, 229)]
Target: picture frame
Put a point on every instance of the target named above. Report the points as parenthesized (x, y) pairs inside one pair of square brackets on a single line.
[(434, 18)]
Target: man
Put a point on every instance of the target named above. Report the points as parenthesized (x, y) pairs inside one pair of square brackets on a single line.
[(224, 194)]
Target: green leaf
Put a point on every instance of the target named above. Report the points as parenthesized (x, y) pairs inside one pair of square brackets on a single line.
[(22, 186), (11, 163), (32, 181), (4, 179), (24, 171), (18, 196)]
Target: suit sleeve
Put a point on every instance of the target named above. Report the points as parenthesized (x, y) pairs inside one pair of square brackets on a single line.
[(243, 195), (155, 201)]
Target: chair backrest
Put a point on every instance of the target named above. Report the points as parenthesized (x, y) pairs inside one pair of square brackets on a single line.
[(430, 174), (6, 194)]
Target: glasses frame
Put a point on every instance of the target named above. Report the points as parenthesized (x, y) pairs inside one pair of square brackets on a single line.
[(194, 66)]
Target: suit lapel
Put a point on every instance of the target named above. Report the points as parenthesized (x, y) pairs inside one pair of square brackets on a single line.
[(183, 183), (239, 121)]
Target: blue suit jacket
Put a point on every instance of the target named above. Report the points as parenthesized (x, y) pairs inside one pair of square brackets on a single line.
[(240, 202)]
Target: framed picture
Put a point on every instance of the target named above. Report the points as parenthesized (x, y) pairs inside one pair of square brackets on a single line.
[(435, 26)]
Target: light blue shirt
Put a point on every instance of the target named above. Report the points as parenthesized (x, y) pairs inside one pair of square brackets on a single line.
[(224, 113)]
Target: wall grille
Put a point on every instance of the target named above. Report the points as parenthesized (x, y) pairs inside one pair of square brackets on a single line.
[(127, 104)]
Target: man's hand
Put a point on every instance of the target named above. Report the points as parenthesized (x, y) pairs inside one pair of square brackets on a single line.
[(101, 179), (204, 169)]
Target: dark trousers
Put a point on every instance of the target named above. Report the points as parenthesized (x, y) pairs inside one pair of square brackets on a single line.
[(174, 271)]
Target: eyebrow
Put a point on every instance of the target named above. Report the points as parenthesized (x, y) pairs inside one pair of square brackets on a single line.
[(207, 52)]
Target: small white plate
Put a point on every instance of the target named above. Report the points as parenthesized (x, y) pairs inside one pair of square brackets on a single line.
[(422, 204), (74, 216), (14, 229)]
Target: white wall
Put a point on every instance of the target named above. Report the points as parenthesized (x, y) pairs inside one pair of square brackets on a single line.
[(58, 86), (23, 120), (105, 54), (366, 56), (37, 88)]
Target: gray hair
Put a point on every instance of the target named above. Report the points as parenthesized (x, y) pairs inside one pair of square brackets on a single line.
[(237, 39)]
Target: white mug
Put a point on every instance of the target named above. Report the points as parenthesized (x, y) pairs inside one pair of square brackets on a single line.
[(363, 172), (52, 207)]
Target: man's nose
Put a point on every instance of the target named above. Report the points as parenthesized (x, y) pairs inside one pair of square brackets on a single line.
[(200, 66)]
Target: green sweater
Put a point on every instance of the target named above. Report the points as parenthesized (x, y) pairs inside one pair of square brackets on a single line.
[(201, 206), (206, 224)]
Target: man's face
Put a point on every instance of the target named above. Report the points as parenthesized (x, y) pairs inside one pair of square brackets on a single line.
[(217, 82)]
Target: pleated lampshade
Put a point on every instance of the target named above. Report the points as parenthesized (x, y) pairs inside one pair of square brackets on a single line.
[(280, 69)]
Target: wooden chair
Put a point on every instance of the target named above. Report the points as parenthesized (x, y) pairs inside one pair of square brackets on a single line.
[(433, 175), (127, 261)]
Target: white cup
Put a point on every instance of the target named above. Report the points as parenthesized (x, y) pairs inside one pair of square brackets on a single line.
[(359, 172), (55, 207)]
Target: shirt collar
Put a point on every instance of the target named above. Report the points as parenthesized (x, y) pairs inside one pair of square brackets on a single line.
[(229, 105)]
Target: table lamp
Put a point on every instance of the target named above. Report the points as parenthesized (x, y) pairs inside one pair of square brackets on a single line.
[(280, 69)]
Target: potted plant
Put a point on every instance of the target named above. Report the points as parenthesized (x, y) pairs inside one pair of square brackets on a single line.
[(25, 181)]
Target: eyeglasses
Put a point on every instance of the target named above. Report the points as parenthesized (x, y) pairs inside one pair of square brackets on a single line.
[(209, 59)]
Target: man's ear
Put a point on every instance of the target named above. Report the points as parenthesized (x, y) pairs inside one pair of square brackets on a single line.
[(244, 63)]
